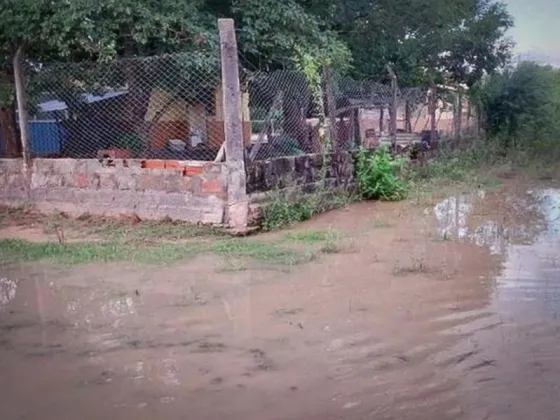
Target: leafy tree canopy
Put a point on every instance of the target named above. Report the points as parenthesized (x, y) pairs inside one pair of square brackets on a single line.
[(423, 40)]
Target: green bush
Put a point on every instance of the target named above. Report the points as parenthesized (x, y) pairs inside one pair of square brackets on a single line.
[(379, 175)]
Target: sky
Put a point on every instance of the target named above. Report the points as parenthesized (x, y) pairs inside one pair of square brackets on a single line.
[(537, 29)]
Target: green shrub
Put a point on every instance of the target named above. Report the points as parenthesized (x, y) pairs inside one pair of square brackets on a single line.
[(379, 175)]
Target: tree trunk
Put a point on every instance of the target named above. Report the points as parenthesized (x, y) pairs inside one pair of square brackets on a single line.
[(9, 133)]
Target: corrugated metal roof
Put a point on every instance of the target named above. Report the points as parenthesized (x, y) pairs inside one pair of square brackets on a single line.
[(56, 105)]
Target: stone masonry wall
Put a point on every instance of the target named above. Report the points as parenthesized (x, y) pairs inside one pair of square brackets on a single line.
[(296, 176), (182, 190)]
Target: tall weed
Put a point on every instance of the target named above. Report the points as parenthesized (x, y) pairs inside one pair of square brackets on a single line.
[(380, 175)]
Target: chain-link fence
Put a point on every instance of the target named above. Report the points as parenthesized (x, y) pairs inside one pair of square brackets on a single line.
[(282, 109), (165, 107), (171, 107), (292, 113)]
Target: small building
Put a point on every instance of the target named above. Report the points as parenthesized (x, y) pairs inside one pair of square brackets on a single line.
[(100, 122)]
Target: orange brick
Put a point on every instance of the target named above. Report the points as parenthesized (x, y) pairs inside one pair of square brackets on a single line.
[(174, 165), (193, 170), (153, 164), (212, 187)]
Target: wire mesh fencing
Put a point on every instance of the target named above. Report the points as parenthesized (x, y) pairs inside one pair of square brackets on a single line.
[(294, 114), (280, 106), (365, 108), (165, 107), (171, 107)]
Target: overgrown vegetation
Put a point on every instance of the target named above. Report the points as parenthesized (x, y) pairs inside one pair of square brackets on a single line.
[(521, 110), (282, 211), (380, 175), (520, 115)]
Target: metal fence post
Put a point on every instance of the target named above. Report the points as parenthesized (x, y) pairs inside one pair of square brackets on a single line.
[(237, 200)]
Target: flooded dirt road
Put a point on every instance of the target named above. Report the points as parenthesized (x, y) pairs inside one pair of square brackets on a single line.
[(443, 312)]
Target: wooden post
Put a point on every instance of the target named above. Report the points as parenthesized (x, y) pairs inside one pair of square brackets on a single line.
[(432, 105), (331, 108), (455, 132), (237, 201), (459, 114), (393, 110), (407, 117), (9, 132), (356, 135), (22, 111)]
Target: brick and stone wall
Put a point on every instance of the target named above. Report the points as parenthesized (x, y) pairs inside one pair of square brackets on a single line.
[(191, 191), (296, 176)]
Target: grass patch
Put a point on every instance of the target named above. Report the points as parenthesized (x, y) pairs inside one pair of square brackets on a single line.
[(130, 229), (417, 266), (13, 251), (154, 230), (382, 224), (311, 237), (329, 239), (264, 252), (332, 243)]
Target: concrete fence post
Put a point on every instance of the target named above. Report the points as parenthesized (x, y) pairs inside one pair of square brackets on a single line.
[(237, 200), (23, 118), (331, 109)]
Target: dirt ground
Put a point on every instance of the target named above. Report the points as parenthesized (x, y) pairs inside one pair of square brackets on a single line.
[(395, 320)]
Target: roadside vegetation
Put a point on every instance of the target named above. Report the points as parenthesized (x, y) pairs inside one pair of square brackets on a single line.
[(64, 240), (454, 43)]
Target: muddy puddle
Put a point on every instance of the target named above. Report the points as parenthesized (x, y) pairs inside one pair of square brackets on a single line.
[(450, 312)]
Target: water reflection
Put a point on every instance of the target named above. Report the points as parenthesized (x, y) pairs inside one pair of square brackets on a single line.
[(8, 289), (454, 217), (520, 357)]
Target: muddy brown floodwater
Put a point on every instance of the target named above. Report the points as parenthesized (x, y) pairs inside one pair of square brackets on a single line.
[(443, 312)]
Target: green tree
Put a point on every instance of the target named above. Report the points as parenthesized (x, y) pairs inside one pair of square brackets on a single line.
[(522, 105), (423, 40), (31, 26)]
